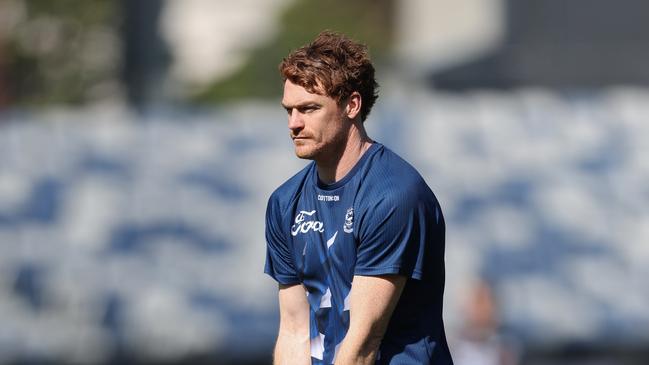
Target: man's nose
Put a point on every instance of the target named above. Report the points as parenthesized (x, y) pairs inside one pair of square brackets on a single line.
[(295, 120)]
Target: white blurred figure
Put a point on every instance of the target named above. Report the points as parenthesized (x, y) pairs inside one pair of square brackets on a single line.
[(479, 341)]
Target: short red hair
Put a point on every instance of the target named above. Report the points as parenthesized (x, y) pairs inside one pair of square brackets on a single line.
[(333, 65)]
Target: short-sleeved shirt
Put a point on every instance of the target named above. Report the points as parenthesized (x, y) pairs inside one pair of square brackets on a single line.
[(380, 219)]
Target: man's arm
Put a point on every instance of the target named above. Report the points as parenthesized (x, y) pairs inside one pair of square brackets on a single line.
[(293, 346), (371, 302)]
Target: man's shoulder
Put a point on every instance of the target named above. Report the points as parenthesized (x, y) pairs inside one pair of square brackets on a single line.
[(390, 174), (290, 189)]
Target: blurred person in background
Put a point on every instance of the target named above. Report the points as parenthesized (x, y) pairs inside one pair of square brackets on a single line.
[(480, 342), (355, 239)]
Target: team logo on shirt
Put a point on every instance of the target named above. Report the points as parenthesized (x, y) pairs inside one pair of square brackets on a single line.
[(348, 227), (302, 225)]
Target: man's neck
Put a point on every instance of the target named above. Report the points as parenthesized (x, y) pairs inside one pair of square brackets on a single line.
[(340, 162)]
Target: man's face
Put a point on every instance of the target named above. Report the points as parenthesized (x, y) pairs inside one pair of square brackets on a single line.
[(316, 123)]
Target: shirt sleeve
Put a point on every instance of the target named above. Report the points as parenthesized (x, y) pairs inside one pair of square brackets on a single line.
[(279, 261), (395, 234)]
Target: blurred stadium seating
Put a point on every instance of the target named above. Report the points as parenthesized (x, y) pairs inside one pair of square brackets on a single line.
[(143, 236)]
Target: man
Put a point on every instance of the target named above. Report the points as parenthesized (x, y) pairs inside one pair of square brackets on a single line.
[(355, 239)]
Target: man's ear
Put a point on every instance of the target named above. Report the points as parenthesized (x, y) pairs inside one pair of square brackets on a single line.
[(353, 108)]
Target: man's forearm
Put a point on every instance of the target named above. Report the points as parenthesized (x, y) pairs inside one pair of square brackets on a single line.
[(372, 301), (292, 349), (358, 350)]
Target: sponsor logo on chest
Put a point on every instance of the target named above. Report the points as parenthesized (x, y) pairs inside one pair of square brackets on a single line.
[(305, 222), (328, 198)]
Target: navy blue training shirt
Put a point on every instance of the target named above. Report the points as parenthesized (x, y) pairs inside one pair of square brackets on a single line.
[(381, 218)]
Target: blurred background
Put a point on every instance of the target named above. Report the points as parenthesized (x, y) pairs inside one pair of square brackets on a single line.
[(140, 140)]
